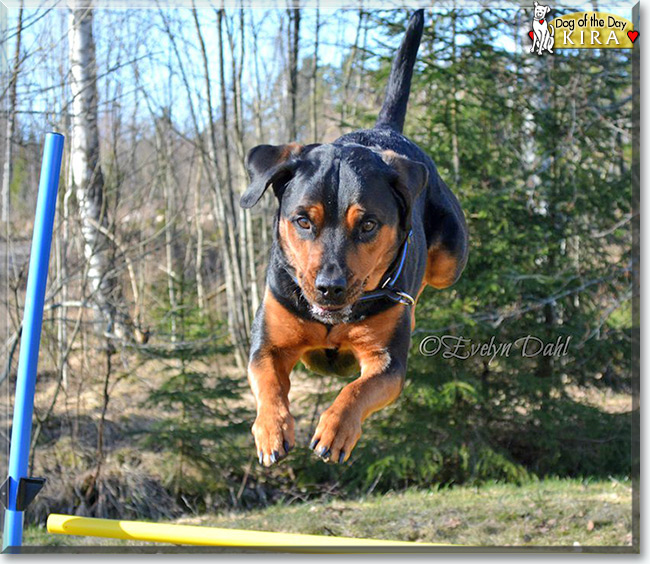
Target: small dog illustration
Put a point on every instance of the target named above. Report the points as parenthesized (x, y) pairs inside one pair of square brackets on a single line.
[(543, 33)]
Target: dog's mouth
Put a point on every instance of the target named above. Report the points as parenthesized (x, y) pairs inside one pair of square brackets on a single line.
[(331, 315), (335, 313), (325, 309), (328, 308)]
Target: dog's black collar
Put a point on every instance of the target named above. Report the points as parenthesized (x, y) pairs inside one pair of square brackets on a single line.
[(387, 288)]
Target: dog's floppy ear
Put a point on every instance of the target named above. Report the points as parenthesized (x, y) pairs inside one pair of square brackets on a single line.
[(548, 9), (535, 4), (266, 165), (410, 179)]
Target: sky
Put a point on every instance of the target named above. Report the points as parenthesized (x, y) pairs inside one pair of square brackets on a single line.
[(45, 41)]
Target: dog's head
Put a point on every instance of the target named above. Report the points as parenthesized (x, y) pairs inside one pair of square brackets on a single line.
[(541, 11), (344, 211)]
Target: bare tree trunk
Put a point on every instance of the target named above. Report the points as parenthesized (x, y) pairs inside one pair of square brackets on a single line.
[(293, 34), (257, 102), (62, 327), (198, 219), (237, 311), (349, 70), (246, 233), (314, 81), (360, 71), (93, 489), (87, 178), (236, 67), (230, 222), (165, 178), (455, 156), (266, 213), (219, 204), (64, 238), (11, 121)]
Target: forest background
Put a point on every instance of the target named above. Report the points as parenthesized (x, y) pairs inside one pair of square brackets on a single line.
[(142, 407)]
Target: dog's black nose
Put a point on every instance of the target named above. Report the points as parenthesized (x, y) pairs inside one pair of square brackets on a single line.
[(331, 290)]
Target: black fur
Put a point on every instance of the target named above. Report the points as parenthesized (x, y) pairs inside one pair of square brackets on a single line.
[(393, 111)]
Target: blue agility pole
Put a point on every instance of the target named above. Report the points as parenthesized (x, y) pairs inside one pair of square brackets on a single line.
[(19, 489)]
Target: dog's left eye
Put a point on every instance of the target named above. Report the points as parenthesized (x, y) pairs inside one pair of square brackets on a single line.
[(368, 225), (303, 223)]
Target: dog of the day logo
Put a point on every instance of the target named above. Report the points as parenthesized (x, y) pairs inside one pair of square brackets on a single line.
[(543, 33), (580, 30)]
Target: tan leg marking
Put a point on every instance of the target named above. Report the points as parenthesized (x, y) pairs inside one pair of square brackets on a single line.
[(339, 428), (268, 375)]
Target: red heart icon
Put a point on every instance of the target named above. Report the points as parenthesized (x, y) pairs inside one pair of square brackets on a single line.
[(541, 21), (531, 35), (633, 35)]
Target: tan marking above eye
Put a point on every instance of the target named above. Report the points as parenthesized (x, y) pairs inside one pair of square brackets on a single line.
[(316, 214), (353, 215)]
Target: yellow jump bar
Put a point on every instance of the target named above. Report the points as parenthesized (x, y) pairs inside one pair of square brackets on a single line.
[(207, 536)]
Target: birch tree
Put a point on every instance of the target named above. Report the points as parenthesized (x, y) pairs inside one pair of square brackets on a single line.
[(314, 81), (87, 179)]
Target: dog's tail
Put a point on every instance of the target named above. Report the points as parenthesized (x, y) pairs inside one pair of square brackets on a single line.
[(393, 111)]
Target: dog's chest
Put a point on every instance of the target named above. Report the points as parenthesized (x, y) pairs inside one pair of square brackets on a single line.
[(372, 333)]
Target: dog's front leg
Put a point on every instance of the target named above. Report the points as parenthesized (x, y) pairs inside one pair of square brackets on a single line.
[(273, 355), (339, 428), (273, 430), (383, 369)]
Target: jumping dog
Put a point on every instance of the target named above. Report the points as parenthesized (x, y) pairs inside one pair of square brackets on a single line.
[(363, 225)]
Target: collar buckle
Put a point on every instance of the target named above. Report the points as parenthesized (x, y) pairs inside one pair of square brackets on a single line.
[(403, 298)]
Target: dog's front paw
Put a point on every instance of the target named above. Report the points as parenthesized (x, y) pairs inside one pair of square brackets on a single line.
[(336, 435), (274, 434)]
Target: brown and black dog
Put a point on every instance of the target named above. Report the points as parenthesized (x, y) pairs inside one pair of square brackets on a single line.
[(363, 225)]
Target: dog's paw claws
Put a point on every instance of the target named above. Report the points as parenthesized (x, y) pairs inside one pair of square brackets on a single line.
[(337, 434), (274, 434)]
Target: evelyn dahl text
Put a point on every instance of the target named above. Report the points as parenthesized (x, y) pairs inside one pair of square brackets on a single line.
[(454, 346)]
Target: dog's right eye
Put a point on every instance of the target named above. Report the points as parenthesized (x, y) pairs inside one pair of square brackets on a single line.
[(303, 223)]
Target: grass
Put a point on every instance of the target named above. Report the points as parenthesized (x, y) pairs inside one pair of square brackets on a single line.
[(554, 512)]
